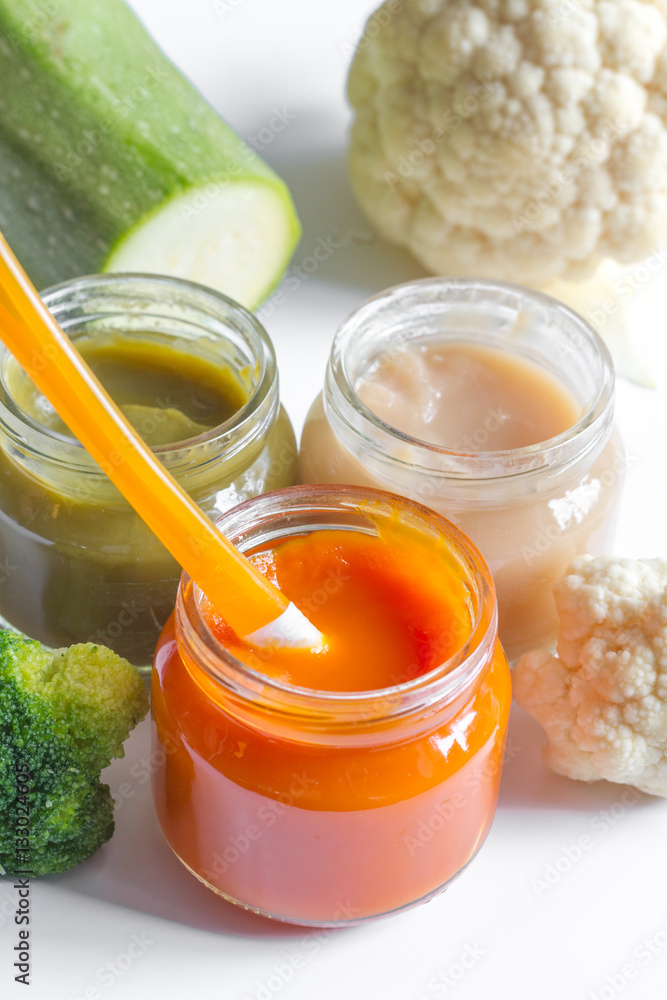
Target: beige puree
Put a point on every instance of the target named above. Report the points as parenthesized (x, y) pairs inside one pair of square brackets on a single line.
[(468, 398), (465, 397)]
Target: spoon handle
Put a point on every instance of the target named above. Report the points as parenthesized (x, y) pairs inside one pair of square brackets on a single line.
[(244, 596)]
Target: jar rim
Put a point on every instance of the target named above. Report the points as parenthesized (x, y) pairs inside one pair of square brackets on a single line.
[(344, 406), (326, 708), (161, 292)]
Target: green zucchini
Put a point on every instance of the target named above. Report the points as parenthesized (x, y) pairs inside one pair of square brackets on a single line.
[(110, 160)]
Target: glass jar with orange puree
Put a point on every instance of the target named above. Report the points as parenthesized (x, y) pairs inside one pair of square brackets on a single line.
[(331, 786), (492, 404)]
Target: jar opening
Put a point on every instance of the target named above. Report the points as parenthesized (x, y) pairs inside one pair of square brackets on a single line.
[(163, 311), (526, 323), (298, 510)]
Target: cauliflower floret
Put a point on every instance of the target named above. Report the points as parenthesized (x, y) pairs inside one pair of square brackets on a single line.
[(524, 140), (602, 700)]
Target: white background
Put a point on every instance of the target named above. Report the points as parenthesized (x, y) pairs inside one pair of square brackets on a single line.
[(520, 938)]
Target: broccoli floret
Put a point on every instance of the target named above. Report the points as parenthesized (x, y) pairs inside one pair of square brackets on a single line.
[(64, 714)]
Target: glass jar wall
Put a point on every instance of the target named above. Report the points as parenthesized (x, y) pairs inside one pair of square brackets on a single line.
[(327, 807), (529, 510), (79, 564)]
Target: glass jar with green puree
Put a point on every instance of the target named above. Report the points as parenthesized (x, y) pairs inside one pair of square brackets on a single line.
[(196, 375)]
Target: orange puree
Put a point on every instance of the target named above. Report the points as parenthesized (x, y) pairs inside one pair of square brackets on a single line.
[(387, 613), (308, 817)]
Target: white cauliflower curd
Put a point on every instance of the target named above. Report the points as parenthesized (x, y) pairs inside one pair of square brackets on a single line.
[(524, 140), (602, 700)]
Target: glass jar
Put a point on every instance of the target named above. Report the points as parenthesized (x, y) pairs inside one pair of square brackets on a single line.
[(79, 565), (322, 807), (530, 510)]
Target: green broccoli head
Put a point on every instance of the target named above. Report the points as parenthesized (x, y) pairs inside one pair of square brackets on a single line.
[(64, 714)]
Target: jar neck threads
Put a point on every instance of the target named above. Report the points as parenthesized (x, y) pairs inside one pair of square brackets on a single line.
[(166, 311), (492, 314), (328, 717)]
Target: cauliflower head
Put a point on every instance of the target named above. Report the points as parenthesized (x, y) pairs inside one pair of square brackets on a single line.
[(524, 140), (602, 700)]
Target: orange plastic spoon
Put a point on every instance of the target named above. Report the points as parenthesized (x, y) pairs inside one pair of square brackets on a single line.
[(245, 598)]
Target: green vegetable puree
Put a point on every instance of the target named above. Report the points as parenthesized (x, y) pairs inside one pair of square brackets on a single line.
[(167, 395), (79, 564)]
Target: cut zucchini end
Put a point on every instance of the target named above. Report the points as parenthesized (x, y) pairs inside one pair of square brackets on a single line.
[(237, 239)]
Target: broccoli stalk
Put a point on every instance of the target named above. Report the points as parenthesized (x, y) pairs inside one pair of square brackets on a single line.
[(64, 714)]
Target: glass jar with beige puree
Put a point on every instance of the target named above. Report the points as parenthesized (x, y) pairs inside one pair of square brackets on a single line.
[(493, 404)]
